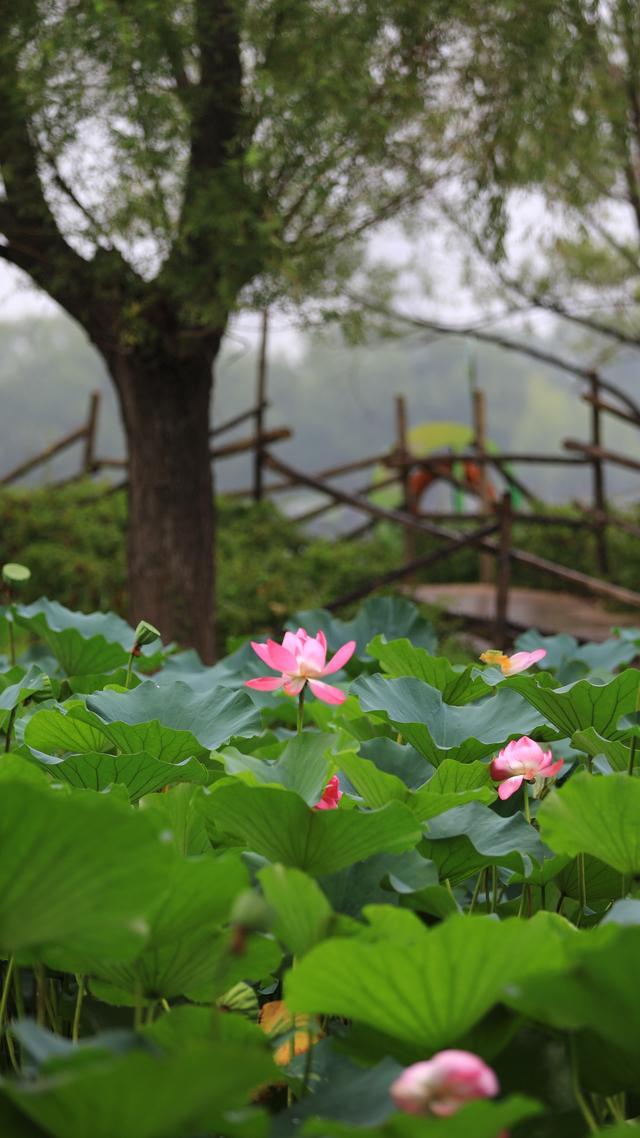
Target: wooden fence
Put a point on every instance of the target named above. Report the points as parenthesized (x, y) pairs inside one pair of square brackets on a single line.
[(91, 463), (492, 525)]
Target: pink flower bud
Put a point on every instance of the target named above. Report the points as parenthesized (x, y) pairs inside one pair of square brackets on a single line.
[(441, 1085), (522, 759), (332, 795)]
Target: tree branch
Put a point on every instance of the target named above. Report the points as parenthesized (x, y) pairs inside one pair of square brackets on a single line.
[(33, 240), (212, 183), (612, 241), (485, 337), (215, 101), (65, 188), (535, 299)]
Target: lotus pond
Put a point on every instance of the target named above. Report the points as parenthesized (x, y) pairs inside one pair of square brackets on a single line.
[(405, 906)]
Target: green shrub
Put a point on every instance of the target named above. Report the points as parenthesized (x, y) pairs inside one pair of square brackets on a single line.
[(73, 540)]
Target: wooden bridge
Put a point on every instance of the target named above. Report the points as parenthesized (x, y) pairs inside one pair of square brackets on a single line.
[(549, 612)]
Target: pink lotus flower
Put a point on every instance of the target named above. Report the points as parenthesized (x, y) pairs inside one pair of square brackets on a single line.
[(301, 659), (443, 1084), (332, 795), (522, 759), (511, 665)]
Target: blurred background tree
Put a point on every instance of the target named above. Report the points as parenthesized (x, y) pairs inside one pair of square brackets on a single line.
[(165, 161), (548, 112)]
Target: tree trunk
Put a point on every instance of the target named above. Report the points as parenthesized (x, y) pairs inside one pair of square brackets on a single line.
[(165, 408)]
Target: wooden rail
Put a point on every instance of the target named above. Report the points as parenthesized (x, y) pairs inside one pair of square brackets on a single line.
[(420, 525), (229, 424), (489, 457), (228, 450), (592, 452), (616, 522), (410, 567), (330, 472), (319, 511), (498, 555), (251, 442), (610, 409), (84, 434), (531, 519)]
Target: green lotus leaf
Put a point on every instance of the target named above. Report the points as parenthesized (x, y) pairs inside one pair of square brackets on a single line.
[(439, 731), (598, 815), (401, 658), (212, 717), (278, 825), (431, 989), (66, 876), (582, 704), (140, 773)]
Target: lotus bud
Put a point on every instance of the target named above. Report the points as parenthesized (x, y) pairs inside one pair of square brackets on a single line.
[(240, 999), (45, 692), (442, 1085), (145, 634), (14, 574), (251, 912)]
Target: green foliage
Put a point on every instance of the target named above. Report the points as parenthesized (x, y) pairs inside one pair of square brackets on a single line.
[(596, 816), (293, 573), (467, 962), (165, 880), (54, 898), (435, 728), (277, 824), (561, 118), (241, 141), (87, 561)]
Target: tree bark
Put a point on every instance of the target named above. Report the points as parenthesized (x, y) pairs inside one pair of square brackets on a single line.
[(165, 405)]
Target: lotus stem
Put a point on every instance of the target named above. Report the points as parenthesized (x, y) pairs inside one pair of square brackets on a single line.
[(75, 1030), (474, 895), (10, 723), (578, 1094), (5, 989), (300, 723), (12, 642), (632, 755), (308, 1063), (582, 884)]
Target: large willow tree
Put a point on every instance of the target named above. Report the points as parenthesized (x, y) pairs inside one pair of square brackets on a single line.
[(547, 99), (161, 158)]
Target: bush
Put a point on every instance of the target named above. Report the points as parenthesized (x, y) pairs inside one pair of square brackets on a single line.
[(73, 540)]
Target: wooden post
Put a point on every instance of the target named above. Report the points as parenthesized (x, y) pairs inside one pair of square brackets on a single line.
[(418, 523), (402, 449), (599, 503), (88, 454), (261, 394), (43, 456), (503, 575), (485, 565)]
